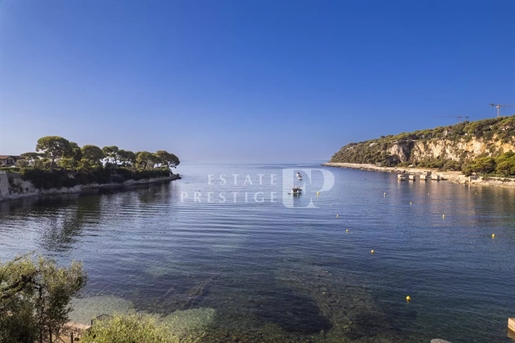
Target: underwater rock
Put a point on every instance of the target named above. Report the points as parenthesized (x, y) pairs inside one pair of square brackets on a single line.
[(86, 309), (189, 321)]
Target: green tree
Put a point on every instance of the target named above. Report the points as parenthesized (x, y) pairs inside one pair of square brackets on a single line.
[(18, 325), (54, 147), (505, 168), (92, 154), (43, 163), (111, 154), (75, 152), (504, 157), (167, 158), (68, 163), (31, 157), (127, 158), (154, 161), (17, 321), (35, 297), (71, 159), (505, 164), (144, 159), (22, 163), (484, 165)]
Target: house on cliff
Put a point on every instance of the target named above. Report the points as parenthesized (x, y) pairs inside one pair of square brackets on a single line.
[(8, 160)]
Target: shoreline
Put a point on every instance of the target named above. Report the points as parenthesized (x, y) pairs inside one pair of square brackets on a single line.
[(451, 176), (87, 188)]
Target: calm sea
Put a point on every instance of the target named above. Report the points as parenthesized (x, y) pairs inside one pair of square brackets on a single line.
[(229, 246)]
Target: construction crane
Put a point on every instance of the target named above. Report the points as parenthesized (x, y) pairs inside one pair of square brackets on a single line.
[(499, 108), (457, 117)]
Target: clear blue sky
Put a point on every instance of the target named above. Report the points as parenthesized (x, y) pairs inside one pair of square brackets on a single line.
[(248, 80)]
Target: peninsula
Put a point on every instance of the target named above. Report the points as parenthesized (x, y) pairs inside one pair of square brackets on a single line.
[(479, 152), (60, 167)]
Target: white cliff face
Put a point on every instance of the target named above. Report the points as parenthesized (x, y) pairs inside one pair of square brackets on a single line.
[(400, 151), (451, 150)]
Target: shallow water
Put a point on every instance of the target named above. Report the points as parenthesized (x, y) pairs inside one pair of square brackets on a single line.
[(265, 267)]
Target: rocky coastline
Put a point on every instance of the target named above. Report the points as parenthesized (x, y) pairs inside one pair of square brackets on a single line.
[(16, 188), (452, 176)]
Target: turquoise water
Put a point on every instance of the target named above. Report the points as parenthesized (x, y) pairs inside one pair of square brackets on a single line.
[(262, 266)]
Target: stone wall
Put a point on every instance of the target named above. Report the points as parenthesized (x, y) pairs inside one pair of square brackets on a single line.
[(4, 184), (452, 176), (13, 187)]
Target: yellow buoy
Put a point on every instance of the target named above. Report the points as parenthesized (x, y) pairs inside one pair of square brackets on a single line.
[(411, 203), (318, 193), (493, 235), (408, 299), (443, 216), (347, 231), (372, 251)]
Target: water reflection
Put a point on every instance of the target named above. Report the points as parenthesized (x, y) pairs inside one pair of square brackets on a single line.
[(264, 272), (66, 219)]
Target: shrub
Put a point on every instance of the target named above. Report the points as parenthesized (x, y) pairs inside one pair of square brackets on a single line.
[(451, 165), (11, 169), (483, 165), (43, 179), (129, 329), (505, 164)]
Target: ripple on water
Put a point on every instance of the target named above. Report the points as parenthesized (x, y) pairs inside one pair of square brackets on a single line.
[(290, 274)]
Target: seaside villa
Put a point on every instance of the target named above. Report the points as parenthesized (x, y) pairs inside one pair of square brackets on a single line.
[(8, 160)]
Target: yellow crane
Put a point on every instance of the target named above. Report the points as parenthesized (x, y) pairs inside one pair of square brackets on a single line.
[(499, 108)]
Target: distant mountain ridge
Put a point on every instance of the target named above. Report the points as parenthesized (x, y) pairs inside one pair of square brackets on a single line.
[(454, 147)]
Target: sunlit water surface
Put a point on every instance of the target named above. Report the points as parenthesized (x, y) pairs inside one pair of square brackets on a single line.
[(229, 248)]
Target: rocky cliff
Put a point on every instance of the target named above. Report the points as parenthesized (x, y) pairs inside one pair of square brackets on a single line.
[(450, 146)]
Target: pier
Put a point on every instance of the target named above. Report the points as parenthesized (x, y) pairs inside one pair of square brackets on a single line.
[(435, 177), (413, 177)]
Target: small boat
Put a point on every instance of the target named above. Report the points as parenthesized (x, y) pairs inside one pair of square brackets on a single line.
[(296, 191), (299, 177), (401, 177)]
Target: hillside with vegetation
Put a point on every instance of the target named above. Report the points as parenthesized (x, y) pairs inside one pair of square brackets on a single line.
[(484, 146)]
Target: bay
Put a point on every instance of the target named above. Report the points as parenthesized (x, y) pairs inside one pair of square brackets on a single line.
[(228, 246)]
